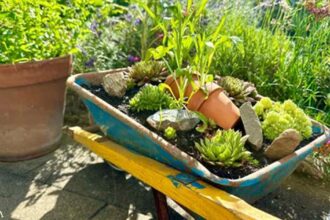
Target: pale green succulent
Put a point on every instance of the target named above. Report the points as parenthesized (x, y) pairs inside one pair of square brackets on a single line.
[(170, 133), (147, 71), (151, 98), (277, 117), (225, 148), (238, 91)]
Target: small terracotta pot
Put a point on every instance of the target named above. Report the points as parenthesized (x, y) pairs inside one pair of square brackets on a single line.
[(217, 106), (32, 107)]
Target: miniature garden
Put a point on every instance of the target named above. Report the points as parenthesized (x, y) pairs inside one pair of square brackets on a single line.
[(232, 87), (180, 82)]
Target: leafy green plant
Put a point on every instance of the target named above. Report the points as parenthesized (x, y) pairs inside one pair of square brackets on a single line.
[(151, 98), (277, 117), (170, 133), (282, 50), (148, 71), (187, 43), (40, 29), (207, 124), (238, 90), (225, 148)]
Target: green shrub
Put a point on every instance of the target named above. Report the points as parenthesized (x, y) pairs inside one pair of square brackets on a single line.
[(39, 29), (225, 148), (151, 98), (283, 50), (256, 56)]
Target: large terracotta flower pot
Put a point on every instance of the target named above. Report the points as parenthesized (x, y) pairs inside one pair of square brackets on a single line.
[(214, 104), (32, 107)]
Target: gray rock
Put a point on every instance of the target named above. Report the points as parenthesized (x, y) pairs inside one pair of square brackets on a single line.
[(252, 125), (115, 84), (283, 145), (181, 120)]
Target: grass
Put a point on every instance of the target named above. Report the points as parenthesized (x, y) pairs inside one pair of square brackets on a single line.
[(285, 52)]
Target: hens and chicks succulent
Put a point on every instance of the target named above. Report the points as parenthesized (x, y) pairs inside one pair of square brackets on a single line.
[(239, 91), (147, 71), (225, 148), (151, 98)]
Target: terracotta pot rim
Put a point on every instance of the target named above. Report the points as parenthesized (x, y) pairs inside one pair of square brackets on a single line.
[(36, 61), (200, 104), (34, 72)]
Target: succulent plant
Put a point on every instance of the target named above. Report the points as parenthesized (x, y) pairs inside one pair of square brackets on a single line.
[(238, 90), (277, 117), (147, 71), (225, 148), (170, 132), (151, 98)]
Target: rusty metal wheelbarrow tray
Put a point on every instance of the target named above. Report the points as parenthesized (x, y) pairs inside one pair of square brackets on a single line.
[(129, 133)]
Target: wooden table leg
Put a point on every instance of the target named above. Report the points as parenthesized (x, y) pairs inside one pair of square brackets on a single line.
[(161, 205)]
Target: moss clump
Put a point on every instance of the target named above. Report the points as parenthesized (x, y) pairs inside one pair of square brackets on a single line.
[(277, 117), (151, 98)]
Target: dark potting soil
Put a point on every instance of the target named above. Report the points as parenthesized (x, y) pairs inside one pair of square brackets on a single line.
[(185, 140)]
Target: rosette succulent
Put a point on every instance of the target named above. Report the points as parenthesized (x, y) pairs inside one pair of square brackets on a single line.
[(151, 98), (238, 90), (277, 117), (170, 133), (147, 71), (225, 148)]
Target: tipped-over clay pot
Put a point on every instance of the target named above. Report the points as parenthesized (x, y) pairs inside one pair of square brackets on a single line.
[(212, 102)]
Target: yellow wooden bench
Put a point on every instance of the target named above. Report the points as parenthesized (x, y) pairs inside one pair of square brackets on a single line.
[(207, 201)]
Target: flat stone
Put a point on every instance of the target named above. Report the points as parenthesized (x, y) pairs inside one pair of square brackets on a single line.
[(252, 125), (181, 120), (115, 84), (283, 145)]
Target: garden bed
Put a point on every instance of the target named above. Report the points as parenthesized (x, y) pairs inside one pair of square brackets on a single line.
[(185, 140)]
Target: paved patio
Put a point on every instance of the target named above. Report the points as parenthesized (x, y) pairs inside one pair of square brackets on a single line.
[(73, 183)]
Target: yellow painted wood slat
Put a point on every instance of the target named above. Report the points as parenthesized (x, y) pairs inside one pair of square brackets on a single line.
[(208, 202)]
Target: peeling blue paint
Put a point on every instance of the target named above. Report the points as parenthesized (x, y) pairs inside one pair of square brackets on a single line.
[(174, 181)]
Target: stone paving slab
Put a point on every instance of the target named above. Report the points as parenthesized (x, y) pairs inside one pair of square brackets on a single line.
[(48, 203), (73, 183), (121, 214)]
